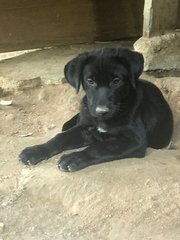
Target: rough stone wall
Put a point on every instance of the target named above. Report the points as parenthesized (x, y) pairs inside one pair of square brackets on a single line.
[(159, 17), (160, 52)]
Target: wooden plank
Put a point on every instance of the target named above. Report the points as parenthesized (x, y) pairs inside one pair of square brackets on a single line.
[(28, 24), (119, 19), (178, 17), (38, 23)]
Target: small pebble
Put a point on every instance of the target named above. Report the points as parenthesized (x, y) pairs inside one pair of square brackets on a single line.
[(26, 135), (5, 102), (5, 177), (51, 126), (147, 181), (42, 95), (1, 227), (63, 80), (69, 234)]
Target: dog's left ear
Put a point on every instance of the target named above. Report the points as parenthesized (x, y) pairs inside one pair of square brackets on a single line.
[(73, 70), (134, 62)]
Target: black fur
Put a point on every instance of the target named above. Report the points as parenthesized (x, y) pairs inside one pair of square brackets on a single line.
[(120, 114)]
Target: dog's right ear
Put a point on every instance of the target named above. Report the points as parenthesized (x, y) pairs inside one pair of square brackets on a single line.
[(73, 70), (134, 61)]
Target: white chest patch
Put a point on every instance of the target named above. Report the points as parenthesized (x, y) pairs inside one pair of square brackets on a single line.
[(101, 130)]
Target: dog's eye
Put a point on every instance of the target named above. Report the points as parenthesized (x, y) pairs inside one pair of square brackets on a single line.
[(91, 82), (116, 82)]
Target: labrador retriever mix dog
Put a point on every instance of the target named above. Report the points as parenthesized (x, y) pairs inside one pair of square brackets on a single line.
[(120, 114)]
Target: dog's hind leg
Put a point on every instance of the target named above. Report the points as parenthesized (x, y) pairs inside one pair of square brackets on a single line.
[(71, 123)]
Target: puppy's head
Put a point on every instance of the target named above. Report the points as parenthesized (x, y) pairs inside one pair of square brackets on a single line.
[(108, 76)]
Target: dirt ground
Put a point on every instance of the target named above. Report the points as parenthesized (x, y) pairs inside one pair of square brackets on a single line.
[(134, 199)]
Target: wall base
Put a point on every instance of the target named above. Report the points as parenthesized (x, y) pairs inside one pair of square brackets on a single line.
[(160, 52)]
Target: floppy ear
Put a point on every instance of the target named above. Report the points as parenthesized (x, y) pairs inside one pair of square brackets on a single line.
[(73, 70), (135, 63)]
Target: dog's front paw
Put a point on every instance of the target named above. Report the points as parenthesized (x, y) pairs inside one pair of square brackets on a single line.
[(72, 162), (33, 155)]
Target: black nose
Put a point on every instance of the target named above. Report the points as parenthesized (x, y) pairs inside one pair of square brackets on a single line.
[(102, 110)]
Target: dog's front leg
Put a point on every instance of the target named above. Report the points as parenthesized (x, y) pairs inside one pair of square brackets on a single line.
[(102, 152), (76, 137)]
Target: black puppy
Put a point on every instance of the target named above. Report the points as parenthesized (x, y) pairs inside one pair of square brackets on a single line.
[(120, 115)]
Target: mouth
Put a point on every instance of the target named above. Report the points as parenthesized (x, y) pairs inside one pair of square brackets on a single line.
[(104, 117)]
